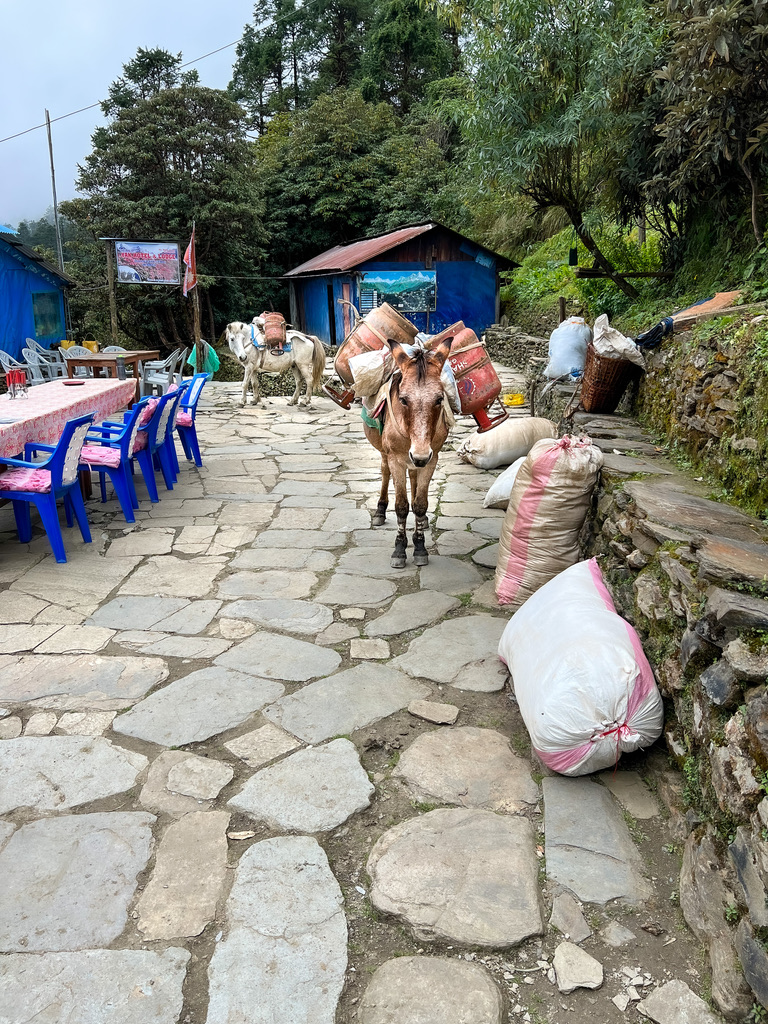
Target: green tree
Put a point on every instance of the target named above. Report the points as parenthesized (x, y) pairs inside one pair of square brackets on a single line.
[(546, 114), (716, 95), (147, 74), (405, 49), (177, 156)]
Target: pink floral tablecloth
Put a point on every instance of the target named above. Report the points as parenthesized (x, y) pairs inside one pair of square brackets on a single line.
[(42, 414)]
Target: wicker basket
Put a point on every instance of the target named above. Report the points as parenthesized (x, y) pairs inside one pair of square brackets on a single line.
[(604, 381)]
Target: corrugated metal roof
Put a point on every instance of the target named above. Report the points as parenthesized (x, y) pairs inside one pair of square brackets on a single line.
[(344, 257), (35, 257)]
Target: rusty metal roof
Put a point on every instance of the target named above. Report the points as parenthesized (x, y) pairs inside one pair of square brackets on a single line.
[(345, 257)]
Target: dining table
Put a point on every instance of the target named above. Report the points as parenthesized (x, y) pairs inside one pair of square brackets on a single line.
[(108, 361), (40, 415)]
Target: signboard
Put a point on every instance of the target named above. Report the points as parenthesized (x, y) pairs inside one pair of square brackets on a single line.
[(408, 291), (147, 262)]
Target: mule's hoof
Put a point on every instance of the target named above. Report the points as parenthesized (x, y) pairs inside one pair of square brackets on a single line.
[(378, 520), (397, 561), (421, 558)]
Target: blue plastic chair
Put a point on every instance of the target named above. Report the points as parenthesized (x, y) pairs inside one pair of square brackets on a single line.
[(43, 483), (150, 439), (185, 420), (108, 451), (169, 449)]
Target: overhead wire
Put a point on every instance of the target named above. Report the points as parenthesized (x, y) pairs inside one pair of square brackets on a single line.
[(186, 64)]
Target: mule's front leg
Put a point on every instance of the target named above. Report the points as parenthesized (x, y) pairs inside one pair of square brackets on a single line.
[(380, 515), (246, 378), (401, 511), (420, 506)]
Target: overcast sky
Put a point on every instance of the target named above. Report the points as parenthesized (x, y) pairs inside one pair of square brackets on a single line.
[(64, 54)]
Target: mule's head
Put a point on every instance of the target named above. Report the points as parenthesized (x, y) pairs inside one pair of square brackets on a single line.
[(238, 339), (420, 397)]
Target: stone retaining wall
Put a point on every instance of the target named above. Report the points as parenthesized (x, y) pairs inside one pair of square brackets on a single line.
[(691, 575), (513, 347)]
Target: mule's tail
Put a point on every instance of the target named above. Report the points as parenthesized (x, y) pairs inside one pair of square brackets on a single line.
[(318, 361)]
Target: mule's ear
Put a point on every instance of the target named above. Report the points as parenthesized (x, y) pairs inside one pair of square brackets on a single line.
[(443, 350), (398, 354)]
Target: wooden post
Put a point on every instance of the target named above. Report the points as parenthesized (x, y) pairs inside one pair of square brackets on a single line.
[(111, 289), (561, 307), (196, 329)]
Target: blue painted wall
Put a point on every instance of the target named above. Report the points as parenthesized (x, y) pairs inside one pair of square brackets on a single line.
[(465, 291), (20, 278)]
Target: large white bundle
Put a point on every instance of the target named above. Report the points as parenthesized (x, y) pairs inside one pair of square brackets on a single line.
[(582, 681), (369, 371), (506, 442), (612, 344), (545, 514), (568, 347), (501, 488)]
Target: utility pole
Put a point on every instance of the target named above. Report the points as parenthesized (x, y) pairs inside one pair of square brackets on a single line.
[(55, 201), (111, 288)]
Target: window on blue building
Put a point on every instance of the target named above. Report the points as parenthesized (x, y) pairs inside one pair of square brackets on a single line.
[(46, 307)]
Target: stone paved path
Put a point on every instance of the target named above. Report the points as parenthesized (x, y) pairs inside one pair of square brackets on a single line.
[(206, 817)]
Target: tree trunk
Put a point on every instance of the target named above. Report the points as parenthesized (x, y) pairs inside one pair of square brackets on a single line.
[(605, 264), (756, 204), (160, 331), (210, 318), (174, 331)]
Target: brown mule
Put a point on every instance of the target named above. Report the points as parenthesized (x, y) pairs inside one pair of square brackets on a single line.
[(415, 429)]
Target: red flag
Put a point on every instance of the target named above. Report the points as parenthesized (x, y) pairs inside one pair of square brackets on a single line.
[(190, 266)]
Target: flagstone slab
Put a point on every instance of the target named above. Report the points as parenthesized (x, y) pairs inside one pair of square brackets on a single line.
[(490, 528), (443, 652), (299, 519), (88, 581), (299, 539), (487, 556), (337, 633), (192, 618), (411, 611), (449, 576), (169, 576), (303, 617), (56, 773), (598, 863), (76, 640), (316, 560), (263, 745), (19, 637), (313, 790), (272, 584), (68, 881), (345, 520), (312, 487), (85, 723), (95, 986), (273, 656), (467, 766), (286, 938), (345, 702), (187, 647), (136, 612), (465, 876), (188, 877), (19, 607), (431, 990), (202, 704), (41, 723), (200, 777), (85, 682), (155, 795), (374, 561), (367, 592), (142, 542)]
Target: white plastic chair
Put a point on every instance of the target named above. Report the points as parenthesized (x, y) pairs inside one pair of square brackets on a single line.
[(79, 351), (114, 348), (40, 370), (159, 374), (9, 363)]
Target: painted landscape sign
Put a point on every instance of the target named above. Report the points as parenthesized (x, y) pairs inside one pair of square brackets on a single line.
[(147, 262), (410, 291)]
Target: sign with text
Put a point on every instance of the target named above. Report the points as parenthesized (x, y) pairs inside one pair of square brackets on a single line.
[(147, 262)]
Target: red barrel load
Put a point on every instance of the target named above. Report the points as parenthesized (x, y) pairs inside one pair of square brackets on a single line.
[(274, 329), (477, 382)]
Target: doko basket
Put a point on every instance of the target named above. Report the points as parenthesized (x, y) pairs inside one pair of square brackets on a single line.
[(604, 381)]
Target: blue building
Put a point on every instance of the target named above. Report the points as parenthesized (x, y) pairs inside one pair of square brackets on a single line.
[(32, 293), (431, 274)]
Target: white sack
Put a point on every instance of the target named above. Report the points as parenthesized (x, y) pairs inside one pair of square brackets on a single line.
[(546, 511), (369, 371), (582, 681), (504, 443), (612, 344), (568, 347), (501, 488)]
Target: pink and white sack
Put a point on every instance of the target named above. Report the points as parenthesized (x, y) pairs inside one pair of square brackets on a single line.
[(547, 507), (582, 681)]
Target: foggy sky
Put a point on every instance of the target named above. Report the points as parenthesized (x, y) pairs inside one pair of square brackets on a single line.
[(63, 55)]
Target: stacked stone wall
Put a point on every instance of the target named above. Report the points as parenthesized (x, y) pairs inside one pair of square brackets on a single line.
[(513, 347), (691, 575)]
